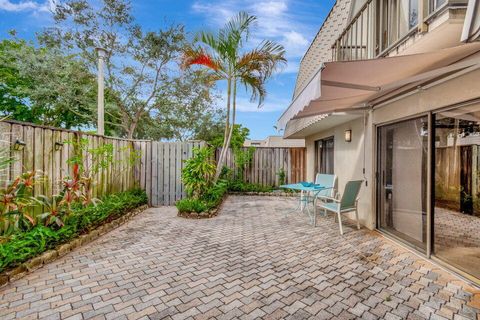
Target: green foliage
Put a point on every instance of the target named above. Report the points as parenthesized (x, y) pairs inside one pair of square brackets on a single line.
[(185, 110), (225, 56), (44, 86), (239, 135), (23, 246), (211, 198), (191, 205), (282, 176), (198, 173), (141, 65), (100, 157), (243, 157), (214, 195), (240, 186), (17, 205)]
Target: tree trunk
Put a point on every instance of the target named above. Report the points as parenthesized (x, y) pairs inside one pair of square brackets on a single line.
[(131, 130), (226, 142), (225, 135)]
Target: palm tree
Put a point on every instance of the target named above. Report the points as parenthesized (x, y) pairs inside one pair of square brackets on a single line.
[(222, 54)]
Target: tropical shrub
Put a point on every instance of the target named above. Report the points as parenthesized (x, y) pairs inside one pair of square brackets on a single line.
[(282, 176), (240, 186), (17, 204), (210, 199), (191, 205), (21, 247), (199, 172)]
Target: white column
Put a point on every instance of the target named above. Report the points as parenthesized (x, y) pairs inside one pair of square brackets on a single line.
[(101, 87)]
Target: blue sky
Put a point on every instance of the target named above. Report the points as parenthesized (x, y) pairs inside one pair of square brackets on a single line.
[(293, 23)]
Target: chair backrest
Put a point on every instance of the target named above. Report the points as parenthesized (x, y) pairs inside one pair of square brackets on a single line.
[(350, 194), (326, 180)]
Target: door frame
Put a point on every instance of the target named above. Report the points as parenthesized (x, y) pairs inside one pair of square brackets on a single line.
[(377, 176), (429, 254)]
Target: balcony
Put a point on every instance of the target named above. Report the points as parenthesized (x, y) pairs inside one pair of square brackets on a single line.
[(378, 25)]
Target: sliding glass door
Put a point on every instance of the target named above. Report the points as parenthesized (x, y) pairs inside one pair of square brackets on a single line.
[(456, 216), (402, 181), (453, 233)]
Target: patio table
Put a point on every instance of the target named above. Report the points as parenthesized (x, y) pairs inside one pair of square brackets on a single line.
[(303, 197)]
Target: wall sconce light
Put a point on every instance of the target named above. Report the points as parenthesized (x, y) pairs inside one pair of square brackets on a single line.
[(58, 146), (348, 135), (19, 145)]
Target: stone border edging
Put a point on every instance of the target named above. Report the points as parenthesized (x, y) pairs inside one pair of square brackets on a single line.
[(60, 251)]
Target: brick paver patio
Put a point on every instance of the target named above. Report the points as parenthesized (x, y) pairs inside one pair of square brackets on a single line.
[(249, 262)]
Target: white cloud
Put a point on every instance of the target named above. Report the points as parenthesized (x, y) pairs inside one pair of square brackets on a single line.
[(29, 6), (274, 21), (271, 7)]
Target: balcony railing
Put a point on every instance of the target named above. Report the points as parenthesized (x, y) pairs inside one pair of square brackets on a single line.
[(377, 26), (358, 40)]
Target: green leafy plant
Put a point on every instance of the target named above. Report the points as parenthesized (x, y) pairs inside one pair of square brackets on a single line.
[(16, 204), (240, 186), (282, 176), (191, 205), (25, 245), (243, 157), (211, 198), (53, 210), (199, 171)]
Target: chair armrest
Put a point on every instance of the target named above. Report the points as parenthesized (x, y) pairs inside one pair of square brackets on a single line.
[(329, 198)]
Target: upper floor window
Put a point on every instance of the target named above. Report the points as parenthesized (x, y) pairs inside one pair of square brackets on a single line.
[(375, 27), (435, 4), (395, 19)]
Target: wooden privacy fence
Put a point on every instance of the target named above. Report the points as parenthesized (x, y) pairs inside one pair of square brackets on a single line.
[(47, 149), (267, 163), (161, 169), (158, 169)]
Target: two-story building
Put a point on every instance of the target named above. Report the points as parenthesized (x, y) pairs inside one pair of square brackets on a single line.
[(389, 92)]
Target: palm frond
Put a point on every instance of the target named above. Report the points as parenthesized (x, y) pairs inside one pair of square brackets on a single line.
[(199, 57), (256, 85)]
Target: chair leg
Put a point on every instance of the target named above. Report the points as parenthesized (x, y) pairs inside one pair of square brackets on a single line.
[(340, 222), (356, 216)]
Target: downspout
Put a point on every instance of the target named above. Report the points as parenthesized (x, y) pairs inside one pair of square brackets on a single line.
[(365, 116)]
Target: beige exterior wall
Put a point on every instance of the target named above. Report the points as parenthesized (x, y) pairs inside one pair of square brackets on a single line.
[(349, 162), (457, 90)]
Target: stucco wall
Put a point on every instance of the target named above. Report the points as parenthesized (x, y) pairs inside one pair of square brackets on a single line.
[(349, 162), (454, 91)]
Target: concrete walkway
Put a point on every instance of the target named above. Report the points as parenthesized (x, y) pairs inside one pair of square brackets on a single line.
[(249, 262)]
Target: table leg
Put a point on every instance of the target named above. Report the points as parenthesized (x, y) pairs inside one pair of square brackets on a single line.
[(298, 207)]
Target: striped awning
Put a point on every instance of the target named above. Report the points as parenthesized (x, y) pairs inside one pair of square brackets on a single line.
[(349, 85)]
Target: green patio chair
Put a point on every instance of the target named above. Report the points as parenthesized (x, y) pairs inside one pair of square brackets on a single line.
[(328, 181), (347, 203), (325, 180)]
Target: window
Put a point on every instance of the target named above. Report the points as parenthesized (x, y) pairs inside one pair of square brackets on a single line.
[(435, 4), (396, 19), (324, 156)]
